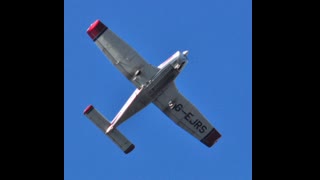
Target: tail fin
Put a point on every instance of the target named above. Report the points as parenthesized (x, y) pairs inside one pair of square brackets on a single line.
[(116, 136)]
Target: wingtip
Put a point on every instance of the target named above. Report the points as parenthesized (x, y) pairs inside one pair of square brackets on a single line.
[(211, 138), (88, 109), (130, 148), (96, 29)]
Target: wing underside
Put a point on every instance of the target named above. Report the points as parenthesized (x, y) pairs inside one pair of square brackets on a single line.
[(186, 115), (121, 55)]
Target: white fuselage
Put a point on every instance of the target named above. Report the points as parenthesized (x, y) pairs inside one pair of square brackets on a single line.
[(169, 70), (153, 88)]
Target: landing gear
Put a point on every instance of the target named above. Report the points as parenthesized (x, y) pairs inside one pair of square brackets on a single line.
[(137, 73), (171, 104), (177, 66)]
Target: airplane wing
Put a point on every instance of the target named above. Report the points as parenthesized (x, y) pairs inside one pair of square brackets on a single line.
[(121, 55), (186, 115)]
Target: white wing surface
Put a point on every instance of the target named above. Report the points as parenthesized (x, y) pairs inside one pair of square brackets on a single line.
[(186, 115), (121, 55)]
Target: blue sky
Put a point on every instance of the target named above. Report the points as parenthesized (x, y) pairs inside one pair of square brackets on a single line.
[(217, 79)]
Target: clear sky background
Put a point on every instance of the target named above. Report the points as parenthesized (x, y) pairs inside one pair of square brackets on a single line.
[(217, 80)]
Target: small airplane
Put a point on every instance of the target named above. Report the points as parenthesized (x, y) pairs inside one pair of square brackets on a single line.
[(153, 85)]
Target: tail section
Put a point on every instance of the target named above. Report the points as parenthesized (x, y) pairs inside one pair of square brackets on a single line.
[(102, 123)]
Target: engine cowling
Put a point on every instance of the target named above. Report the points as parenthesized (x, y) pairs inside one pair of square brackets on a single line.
[(180, 63)]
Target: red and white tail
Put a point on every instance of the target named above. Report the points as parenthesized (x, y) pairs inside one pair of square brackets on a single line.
[(102, 123)]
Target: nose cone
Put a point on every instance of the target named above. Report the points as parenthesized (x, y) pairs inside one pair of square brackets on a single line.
[(185, 53)]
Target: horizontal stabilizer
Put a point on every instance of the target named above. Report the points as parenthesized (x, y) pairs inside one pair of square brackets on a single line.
[(102, 123)]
